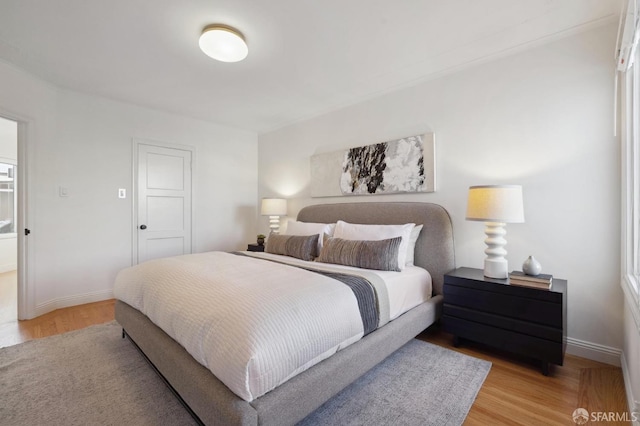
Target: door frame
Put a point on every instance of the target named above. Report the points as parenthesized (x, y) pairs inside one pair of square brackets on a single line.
[(26, 286), (135, 142)]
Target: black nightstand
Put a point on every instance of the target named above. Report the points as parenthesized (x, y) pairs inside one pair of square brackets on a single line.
[(523, 320), (255, 247)]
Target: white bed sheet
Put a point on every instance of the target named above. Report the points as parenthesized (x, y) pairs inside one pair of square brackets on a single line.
[(406, 289)]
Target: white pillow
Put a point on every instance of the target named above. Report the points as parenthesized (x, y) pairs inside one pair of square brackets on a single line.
[(413, 238), (351, 231), (307, 228)]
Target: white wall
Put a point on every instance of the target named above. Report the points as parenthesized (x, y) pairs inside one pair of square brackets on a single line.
[(80, 242), (8, 254), (542, 118)]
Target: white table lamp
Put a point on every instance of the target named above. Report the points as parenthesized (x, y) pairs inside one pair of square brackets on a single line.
[(496, 205), (274, 208)]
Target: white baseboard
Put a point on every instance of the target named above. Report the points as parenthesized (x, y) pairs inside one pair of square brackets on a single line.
[(79, 299), (594, 351), (632, 402)]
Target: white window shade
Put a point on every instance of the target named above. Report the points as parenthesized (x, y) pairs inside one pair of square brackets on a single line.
[(628, 35), (630, 196)]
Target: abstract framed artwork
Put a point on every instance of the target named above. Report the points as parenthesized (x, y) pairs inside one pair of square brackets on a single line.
[(403, 165)]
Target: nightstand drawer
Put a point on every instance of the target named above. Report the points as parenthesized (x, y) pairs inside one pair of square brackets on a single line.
[(529, 346), (522, 308), (506, 323)]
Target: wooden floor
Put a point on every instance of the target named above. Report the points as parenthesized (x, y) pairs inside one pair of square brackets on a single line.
[(56, 322), (514, 393)]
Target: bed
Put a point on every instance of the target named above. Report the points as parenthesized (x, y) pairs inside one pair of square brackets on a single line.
[(214, 403)]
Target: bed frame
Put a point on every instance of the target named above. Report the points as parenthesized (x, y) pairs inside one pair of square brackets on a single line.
[(214, 404)]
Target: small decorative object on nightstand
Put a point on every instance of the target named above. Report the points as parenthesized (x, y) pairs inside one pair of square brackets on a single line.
[(255, 247), (528, 321), (260, 239), (531, 266), (544, 281)]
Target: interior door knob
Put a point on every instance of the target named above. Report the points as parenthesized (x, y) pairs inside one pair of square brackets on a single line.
[(143, 226)]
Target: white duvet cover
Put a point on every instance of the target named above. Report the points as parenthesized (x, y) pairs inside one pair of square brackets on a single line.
[(253, 323), (405, 290)]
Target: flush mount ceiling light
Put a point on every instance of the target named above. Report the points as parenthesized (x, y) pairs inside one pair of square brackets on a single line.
[(223, 43)]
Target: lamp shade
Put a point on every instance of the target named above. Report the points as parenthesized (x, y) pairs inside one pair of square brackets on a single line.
[(495, 203), (273, 207)]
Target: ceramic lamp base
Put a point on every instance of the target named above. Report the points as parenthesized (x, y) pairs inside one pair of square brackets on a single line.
[(496, 269), (274, 224), (495, 265)]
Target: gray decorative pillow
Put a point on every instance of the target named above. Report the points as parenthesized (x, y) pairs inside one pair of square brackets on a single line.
[(302, 247), (381, 255)]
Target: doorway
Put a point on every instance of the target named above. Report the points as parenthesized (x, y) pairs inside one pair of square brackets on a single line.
[(162, 205), (8, 220)]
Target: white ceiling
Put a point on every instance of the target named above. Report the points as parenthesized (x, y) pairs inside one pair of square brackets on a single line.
[(305, 57)]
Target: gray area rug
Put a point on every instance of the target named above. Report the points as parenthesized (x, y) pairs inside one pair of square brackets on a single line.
[(94, 377), (420, 384)]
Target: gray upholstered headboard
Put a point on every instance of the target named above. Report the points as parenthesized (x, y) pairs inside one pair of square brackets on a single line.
[(434, 249)]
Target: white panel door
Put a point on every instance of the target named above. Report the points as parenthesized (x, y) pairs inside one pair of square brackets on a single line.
[(164, 202)]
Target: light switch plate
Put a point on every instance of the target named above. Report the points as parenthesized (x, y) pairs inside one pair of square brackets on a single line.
[(122, 193), (63, 191)]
